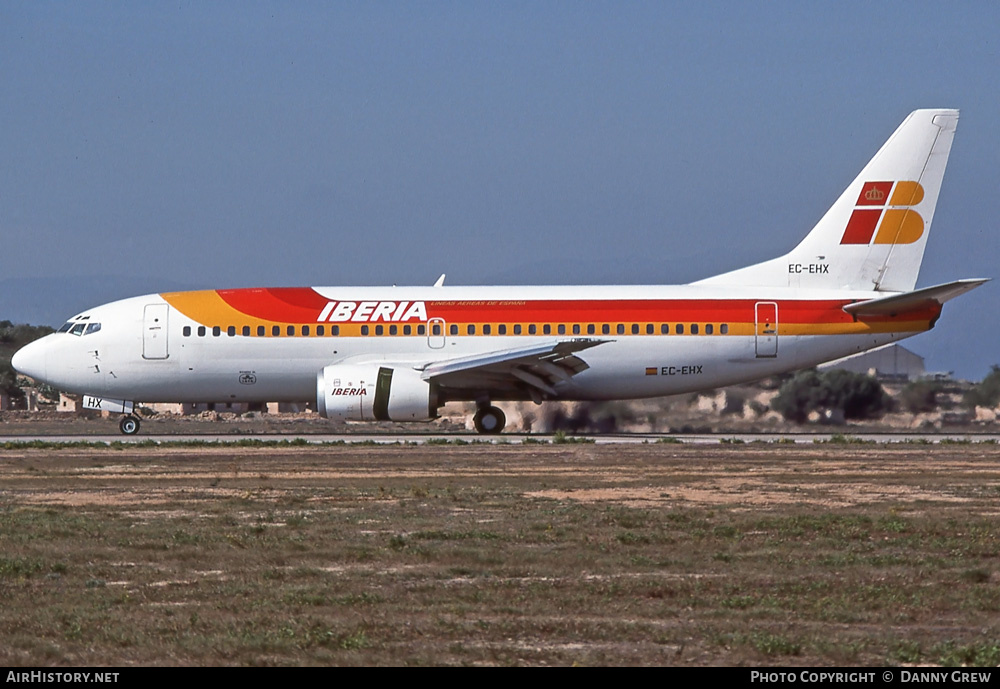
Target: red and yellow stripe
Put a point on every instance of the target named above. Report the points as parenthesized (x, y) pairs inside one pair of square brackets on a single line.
[(302, 306)]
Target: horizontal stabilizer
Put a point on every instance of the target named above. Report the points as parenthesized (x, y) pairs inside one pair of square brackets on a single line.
[(909, 301)]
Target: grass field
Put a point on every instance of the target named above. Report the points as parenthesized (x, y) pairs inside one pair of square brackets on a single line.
[(530, 554)]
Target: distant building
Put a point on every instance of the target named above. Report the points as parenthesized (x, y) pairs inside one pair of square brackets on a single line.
[(166, 407), (891, 362), (191, 408), (70, 404), (31, 399), (199, 407)]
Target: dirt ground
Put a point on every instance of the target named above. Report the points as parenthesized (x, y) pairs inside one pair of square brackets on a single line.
[(665, 554)]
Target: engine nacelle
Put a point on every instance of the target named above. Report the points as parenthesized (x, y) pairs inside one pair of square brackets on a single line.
[(370, 392)]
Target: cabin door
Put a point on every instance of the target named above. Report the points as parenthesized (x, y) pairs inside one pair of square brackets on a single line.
[(766, 329), (154, 332)]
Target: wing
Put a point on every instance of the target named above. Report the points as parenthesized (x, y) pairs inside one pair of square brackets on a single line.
[(537, 368)]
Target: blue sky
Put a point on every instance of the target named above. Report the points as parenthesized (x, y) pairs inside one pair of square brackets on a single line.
[(235, 144)]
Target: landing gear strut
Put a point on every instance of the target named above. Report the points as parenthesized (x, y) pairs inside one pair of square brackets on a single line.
[(129, 425), (489, 420)]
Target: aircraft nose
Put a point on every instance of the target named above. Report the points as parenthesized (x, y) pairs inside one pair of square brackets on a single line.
[(30, 361)]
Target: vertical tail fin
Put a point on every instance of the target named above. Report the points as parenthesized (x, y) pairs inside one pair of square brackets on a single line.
[(873, 237)]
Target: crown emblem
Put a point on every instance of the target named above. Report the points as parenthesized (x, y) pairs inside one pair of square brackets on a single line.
[(874, 195)]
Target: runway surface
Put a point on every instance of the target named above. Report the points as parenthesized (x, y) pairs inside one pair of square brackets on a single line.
[(845, 437)]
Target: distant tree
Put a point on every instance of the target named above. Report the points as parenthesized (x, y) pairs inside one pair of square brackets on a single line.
[(12, 338), (860, 396), (920, 396), (15, 336), (9, 382), (987, 392), (801, 395), (857, 395)]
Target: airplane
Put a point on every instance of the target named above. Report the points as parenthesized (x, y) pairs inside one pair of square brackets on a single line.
[(400, 353)]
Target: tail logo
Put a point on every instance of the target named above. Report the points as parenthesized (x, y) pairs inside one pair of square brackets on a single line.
[(874, 194), (896, 222)]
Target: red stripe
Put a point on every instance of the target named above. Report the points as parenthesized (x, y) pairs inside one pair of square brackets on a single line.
[(304, 305), (281, 304), (635, 311)]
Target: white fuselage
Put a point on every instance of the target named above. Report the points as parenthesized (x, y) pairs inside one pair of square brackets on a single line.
[(159, 356)]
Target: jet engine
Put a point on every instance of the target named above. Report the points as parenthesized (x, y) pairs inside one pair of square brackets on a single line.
[(370, 392)]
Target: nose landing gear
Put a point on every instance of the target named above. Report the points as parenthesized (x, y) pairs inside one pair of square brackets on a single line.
[(129, 425)]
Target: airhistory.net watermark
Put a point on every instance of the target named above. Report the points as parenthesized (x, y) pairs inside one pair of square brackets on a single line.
[(62, 677)]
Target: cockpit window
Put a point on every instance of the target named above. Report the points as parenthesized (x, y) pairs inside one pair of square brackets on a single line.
[(79, 328)]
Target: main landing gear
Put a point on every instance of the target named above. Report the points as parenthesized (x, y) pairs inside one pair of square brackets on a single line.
[(489, 420), (129, 425)]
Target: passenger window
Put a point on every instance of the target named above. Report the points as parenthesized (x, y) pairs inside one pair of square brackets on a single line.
[(454, 329), (635, 328), (276, 330), (187, 331), (261, 331), (649, 329), (591, 329), (305, 330), (517, 329), (231, 331), (436, 329), (621, 329), (547, 329), (679, 329), (501, 329), (531, 329), (216, 331), (724, 329), (561, 329), (201, 331), (576, 328), (334, 329), (421, 330), (291, 330), (393, 329), (605, 329), (487, 329), (246, 331), (364, 329), (471, 329), (694, 328), (320, 330), (379, 329), (709, 329), (407, 330), (665, 329)]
